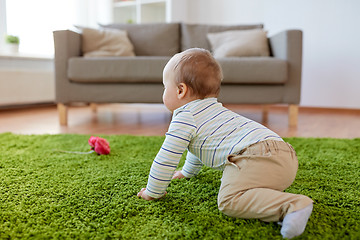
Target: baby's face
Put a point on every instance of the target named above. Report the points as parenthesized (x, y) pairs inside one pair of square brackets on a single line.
[(170, 95)]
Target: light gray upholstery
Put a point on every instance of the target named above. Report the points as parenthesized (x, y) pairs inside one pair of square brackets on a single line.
[(260, 80), (253, 70), (117, 69), (247, 70)]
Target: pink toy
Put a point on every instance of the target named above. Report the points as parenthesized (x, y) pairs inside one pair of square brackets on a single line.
[(99, 145)]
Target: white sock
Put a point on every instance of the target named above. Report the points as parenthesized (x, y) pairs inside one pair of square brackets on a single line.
[(294, 223)]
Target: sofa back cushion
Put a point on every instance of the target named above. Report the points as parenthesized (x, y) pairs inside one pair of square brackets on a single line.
[(152, 39), (195, 35)]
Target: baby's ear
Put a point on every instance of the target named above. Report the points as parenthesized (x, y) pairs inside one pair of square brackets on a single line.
[(182, 90)]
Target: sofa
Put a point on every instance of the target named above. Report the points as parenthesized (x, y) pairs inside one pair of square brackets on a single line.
[(273, 78)]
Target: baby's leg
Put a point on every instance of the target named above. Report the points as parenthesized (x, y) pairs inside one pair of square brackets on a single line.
[(262, 203), (253, 182)]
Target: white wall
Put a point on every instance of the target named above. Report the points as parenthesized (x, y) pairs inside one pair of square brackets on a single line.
[(331, 50), (2, 23), (176, 10), (90, 13), (26, 80)]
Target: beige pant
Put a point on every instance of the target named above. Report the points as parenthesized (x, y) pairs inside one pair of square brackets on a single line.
[(253, 182)]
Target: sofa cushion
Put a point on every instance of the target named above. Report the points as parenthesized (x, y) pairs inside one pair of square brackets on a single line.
[(244, 70), (117, 69), (239, 43), (195, 35), (152, 39), (106, 42), (253, 70)]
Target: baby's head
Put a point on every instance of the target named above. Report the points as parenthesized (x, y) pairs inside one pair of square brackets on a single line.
[(194, 71)]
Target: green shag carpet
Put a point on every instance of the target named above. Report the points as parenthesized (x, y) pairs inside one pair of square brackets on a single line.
[(52, 195)]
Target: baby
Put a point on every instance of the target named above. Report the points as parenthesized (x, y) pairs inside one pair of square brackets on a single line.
[(257, 164)]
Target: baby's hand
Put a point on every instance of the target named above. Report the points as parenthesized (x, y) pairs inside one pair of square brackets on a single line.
[(145, 196), (178, 175)]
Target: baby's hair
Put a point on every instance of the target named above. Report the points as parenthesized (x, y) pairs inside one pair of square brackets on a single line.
[(199, 70)]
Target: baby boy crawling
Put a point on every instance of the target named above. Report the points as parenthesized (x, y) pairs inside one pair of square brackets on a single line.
[(257, 164)]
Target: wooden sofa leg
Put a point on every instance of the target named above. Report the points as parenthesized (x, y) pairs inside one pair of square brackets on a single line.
[(265, 114), (93, 107), (293, 115), (63, 112)]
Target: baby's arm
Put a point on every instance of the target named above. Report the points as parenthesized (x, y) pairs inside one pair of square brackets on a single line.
[(191, 167), (177, 139)]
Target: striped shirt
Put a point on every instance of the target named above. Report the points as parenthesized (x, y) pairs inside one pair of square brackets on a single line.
[(209, 132)]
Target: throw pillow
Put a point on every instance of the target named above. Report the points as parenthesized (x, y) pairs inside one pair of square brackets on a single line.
[(106, 42), (240, 43), (194, 35)]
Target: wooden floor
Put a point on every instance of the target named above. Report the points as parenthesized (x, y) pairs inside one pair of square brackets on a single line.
[(153, 119)]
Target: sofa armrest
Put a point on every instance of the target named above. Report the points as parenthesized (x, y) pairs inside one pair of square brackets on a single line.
[(67, 44), (287, 45)]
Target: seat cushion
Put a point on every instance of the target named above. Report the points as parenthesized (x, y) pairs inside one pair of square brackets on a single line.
[(195, 35), (152, 39), (236, 70), (253, 70), (117, 69)]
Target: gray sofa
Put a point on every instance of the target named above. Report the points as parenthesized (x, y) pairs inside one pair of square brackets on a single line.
[(247, 80)]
